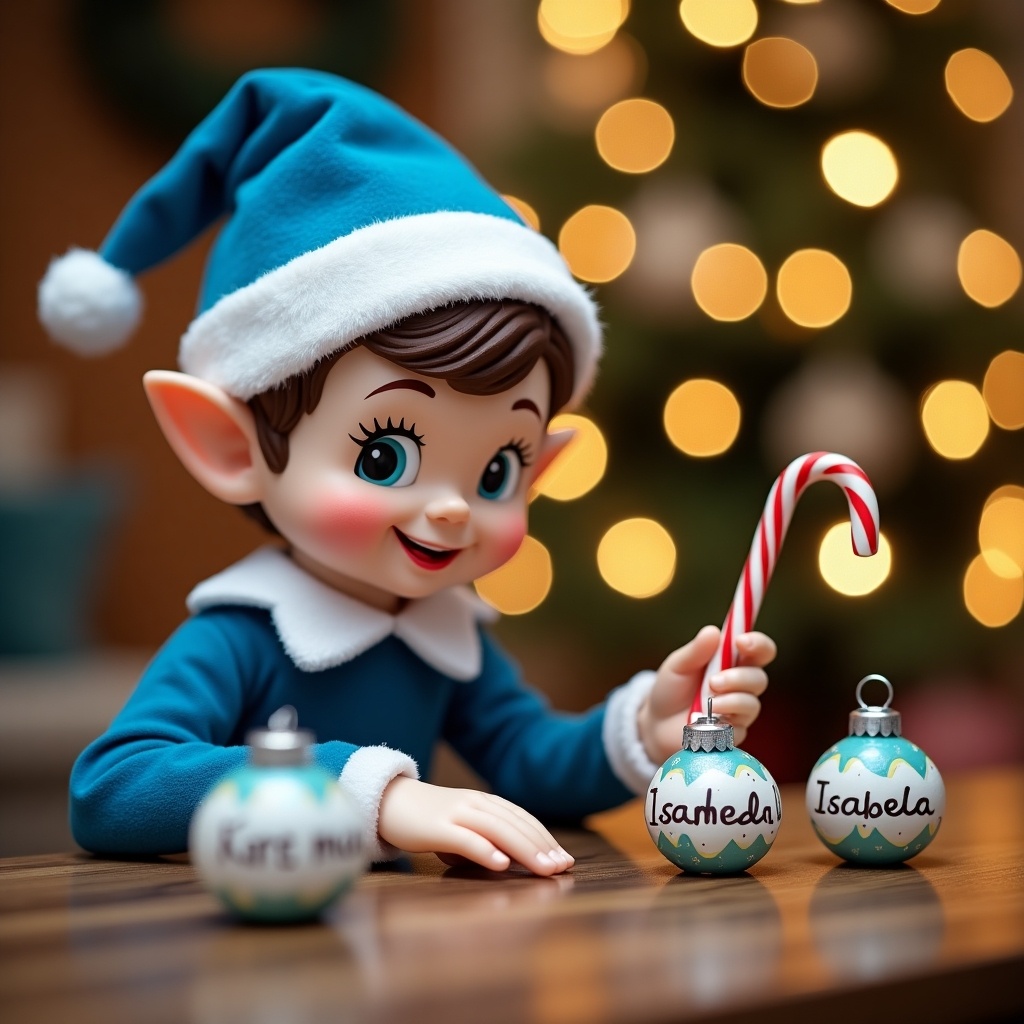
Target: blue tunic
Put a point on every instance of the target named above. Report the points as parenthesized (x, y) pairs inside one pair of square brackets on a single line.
[(224, 671)]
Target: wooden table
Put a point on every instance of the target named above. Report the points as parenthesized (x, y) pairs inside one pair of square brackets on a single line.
[(625, 937)]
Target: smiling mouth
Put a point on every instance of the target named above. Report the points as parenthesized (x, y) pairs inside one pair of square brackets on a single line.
[(426, 556)]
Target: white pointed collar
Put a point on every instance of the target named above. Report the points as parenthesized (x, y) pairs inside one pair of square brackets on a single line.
[(320, 627)]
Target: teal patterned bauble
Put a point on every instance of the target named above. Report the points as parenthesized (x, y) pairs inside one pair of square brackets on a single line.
[(712, 808), (279, 839), (874, 797)]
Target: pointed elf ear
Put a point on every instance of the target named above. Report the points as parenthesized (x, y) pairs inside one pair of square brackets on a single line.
[(212, 433), (551, 447)]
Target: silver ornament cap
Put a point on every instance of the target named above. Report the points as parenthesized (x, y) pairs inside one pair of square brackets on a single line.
[(875, 719), (707, 733), (282, 743)]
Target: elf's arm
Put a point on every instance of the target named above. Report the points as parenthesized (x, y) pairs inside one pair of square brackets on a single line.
[(562, 766), (133, 791)]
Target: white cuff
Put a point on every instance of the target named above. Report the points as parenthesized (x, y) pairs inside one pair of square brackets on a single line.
[(621, 736), (366, 775)]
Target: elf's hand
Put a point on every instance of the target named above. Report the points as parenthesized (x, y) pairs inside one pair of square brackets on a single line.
[(463, 823), (662, 716)]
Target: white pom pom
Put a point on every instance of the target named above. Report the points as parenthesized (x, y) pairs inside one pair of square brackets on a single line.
[(88, 305)]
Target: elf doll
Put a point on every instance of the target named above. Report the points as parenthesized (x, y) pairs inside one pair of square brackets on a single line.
[(379, 347)]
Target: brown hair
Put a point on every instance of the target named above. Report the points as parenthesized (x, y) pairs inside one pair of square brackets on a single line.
[(479, 348)]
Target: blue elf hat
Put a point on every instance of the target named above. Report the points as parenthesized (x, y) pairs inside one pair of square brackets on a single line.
[(343, 214)]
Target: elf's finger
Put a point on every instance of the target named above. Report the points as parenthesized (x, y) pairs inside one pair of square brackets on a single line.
[(510, 839), (526, 823), (742, 678), (465, 844), (693, 656), (755, 649), (473, 807)]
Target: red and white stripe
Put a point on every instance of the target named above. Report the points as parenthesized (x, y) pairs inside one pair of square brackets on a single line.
[(768, 538)]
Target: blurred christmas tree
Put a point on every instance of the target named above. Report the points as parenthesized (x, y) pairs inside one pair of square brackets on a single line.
[(807, 204)]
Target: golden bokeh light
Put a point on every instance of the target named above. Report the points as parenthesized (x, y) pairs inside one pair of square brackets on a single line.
[(720, 23), (914, 6), (702, 418), (729, 282), (849, 573), (977, 84), (580, 26), (637, 557), (585, 84), (780, 72), (635, 135), (598, 243), (1003, 390), (814, 288), (991, 598), (988, 267), (1006, 491), (859, 167), (525, 210), (1001, 563), (955, 419), (522, 583), (581, 464), (1001, 535)]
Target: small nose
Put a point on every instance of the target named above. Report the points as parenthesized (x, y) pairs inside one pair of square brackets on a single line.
[(451, 509)]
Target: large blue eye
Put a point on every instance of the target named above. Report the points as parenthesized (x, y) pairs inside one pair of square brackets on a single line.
[(501, 477), (390, 461)]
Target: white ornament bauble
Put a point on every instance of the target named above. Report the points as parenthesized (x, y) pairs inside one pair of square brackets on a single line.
[(279, 839), (712, 808), (874, 797)]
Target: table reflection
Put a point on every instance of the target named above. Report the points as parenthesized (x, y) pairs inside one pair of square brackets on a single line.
[(385, 950), (287, 975), (688, 938), (872, 923)]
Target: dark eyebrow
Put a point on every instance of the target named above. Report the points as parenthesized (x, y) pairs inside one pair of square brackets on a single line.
[(526, 403), (408, 384)]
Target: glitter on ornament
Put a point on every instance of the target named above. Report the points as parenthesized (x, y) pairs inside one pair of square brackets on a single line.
[(874, 797)]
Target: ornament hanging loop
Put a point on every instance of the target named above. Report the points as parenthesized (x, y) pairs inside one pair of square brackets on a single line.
[(284, 719), (282, 743), (871, 678), (875, 719)]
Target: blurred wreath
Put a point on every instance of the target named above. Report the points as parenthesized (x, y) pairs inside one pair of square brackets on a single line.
[(165, 64)]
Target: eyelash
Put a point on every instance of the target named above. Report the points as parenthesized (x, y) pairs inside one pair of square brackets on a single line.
[(523, 451), (379, 431)]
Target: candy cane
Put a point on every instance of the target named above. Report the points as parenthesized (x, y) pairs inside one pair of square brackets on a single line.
[(768, 538)]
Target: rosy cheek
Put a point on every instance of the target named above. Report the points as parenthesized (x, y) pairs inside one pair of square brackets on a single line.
[(508, 536), (354, 521)]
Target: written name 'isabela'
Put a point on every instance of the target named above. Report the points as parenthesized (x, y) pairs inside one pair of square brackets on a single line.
[(867, 808)]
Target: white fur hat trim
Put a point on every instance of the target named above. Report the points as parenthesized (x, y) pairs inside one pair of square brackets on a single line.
[(281, 324)]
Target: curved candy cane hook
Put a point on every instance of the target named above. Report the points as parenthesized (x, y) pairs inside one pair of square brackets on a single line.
[(768, 538)]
